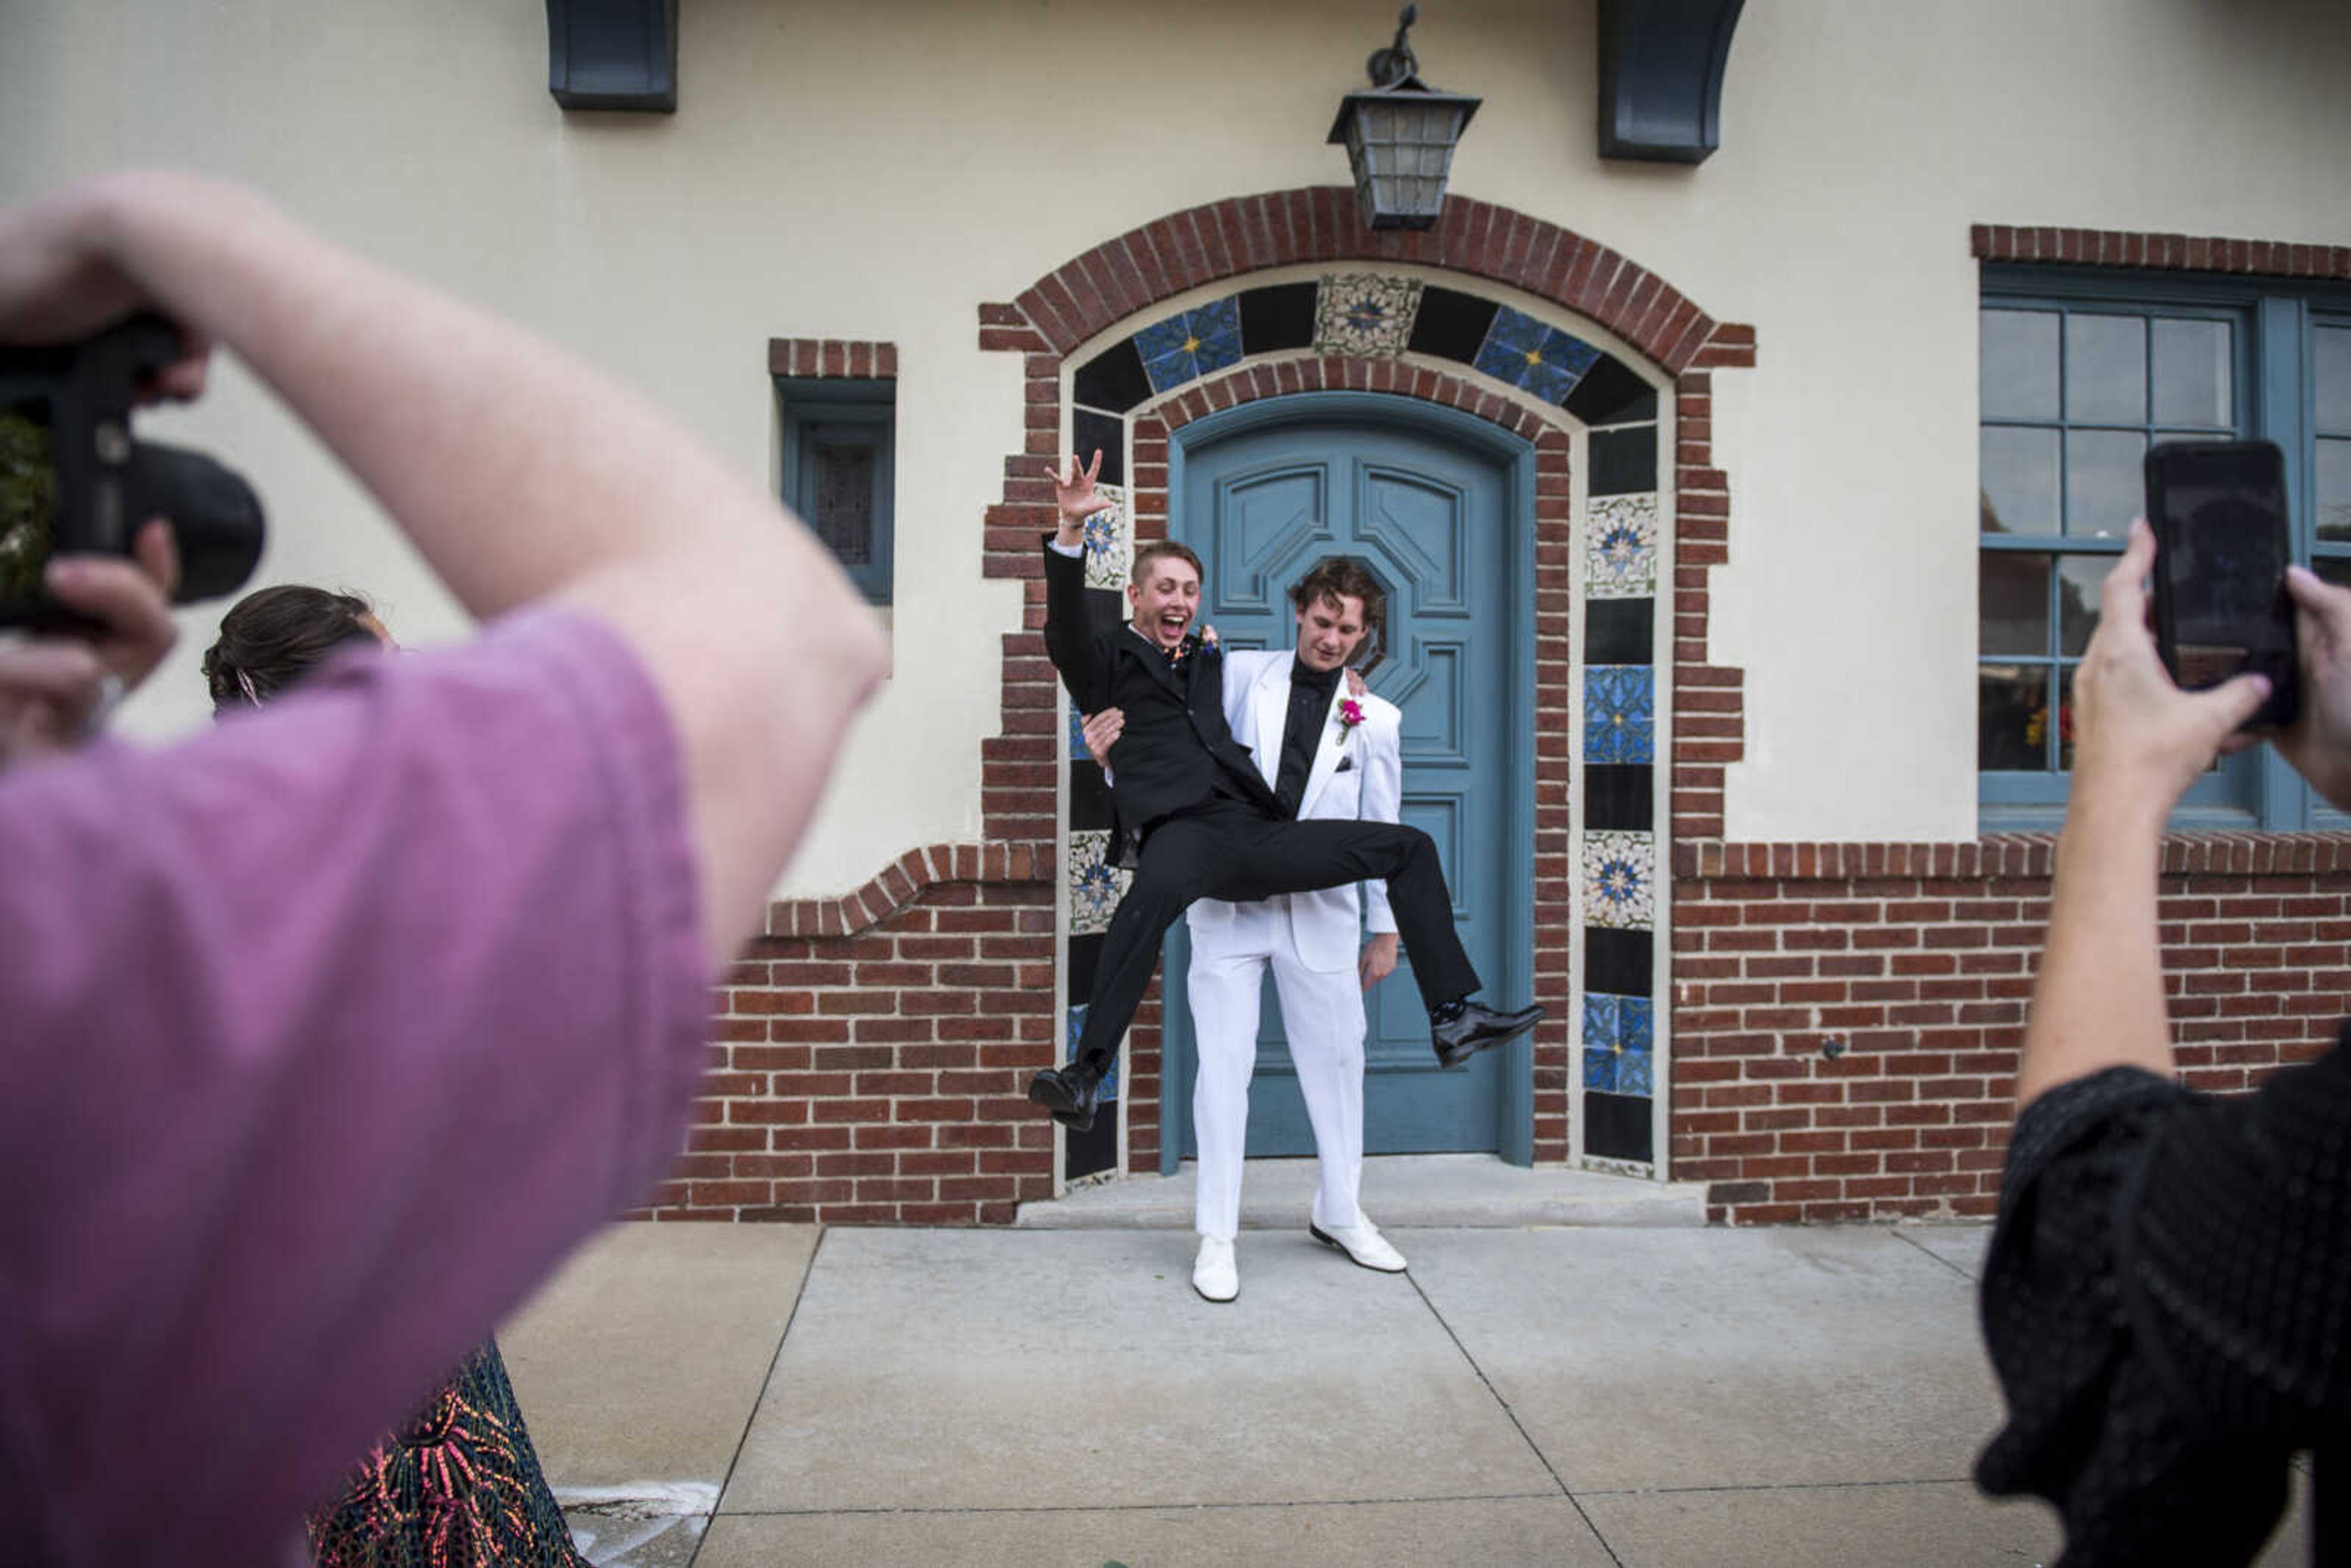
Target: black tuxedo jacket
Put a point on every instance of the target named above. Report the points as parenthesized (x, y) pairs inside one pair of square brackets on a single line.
[(1176, 750)]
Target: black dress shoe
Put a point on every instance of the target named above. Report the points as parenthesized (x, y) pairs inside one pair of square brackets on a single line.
[(1475, 1028), (1068, 1092)]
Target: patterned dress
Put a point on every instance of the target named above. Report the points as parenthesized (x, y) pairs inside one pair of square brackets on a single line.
[(458, 1486)]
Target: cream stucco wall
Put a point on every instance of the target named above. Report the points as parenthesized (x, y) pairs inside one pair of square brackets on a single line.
[(877, 170)]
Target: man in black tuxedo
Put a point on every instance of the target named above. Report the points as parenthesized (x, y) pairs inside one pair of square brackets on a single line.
[(1210, 826)]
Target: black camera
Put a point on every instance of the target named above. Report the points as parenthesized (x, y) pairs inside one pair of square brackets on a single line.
[(73, 479)]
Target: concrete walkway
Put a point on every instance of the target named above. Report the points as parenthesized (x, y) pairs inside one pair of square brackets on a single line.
[(1648, 1397)]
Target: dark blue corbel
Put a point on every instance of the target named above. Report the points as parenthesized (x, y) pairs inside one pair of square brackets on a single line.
[(1661, 65), (613, 54)]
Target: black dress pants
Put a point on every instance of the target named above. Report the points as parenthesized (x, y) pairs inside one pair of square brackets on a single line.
[(1231, 850)]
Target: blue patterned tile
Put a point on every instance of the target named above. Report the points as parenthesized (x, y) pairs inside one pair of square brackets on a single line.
[(1620, 712), (1070, 1035), (1633, 1071), (1636, 1027), (1599, 1021), (1535, 355), (1191, 343), (1078, 735), (1600, 1070)]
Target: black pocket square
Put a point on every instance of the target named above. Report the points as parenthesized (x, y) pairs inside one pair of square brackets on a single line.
[(1347, 765)]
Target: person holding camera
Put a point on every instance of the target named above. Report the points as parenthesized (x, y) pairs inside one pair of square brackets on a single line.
[(296, 1103), (2168, 1297)]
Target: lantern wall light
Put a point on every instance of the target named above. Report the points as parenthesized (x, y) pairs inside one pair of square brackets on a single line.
[(1399, 134)]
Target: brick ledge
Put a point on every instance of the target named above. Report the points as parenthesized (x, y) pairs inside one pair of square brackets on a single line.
[(902, 881), (1999, 856)]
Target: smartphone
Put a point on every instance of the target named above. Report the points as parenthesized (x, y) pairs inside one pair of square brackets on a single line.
[(2218, 509)]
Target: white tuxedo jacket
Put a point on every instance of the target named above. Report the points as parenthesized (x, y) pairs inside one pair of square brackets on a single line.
[(1357, 774)]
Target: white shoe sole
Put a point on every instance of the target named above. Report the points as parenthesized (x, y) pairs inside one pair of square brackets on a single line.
[(1340, 1247)]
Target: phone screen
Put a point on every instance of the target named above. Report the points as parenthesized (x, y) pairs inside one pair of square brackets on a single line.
[(2220, 516), (28, 497)]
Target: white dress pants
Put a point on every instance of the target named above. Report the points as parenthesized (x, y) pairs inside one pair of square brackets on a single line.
[(1322, 1013)]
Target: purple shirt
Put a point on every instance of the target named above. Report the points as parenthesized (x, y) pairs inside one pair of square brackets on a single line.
[(326, 1034)]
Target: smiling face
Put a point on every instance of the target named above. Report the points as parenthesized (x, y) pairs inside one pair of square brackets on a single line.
[(1329, 630), (1164, 597)]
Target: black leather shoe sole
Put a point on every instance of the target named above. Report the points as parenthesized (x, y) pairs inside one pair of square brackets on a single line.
[(1456, 1055), (1048, 1090)]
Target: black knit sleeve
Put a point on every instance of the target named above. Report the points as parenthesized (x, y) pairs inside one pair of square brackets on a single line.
[(2164, 1303)]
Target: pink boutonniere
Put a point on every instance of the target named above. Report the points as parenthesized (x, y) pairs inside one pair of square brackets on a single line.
[(1350, 714)]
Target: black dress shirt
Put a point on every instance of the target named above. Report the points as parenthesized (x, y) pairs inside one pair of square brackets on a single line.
[(1301, 732)]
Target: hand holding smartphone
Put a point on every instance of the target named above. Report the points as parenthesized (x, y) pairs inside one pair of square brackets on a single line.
[(2217, 510)]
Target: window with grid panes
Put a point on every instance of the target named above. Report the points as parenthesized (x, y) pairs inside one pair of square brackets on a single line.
[(2079, 373)]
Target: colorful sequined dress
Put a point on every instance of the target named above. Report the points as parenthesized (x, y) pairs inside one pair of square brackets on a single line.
[(456, 1486)]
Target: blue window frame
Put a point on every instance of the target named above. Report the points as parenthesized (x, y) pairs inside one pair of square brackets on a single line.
[(838, 470), (2079, 372)]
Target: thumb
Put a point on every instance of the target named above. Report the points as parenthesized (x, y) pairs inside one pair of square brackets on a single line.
[(2228, 705)]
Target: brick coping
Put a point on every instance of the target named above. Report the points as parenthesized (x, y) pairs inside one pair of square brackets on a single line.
[(902, 882), (2002, 856)]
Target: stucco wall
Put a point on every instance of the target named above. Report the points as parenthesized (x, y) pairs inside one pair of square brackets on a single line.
[(875, 172)]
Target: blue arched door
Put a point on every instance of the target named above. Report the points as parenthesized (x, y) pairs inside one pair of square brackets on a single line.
[(1432, 510)]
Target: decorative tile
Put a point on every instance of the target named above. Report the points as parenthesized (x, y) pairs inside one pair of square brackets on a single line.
[(1636, 1029), (1535, 354), (1618, 1126), (1620, 631), (1104, 433), (1112, 379), (1070, 1035), (1191, 343), (1110, 540), (1365, 315), (1619, 869), (1621, 962), (1620, 547), (1620, 712), (1633, 1072), (1599, 1021), (1600, 1068), (1095, 885)]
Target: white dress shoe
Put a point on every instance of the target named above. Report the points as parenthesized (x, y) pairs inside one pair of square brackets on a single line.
[(1212, 1274), (1363, 1243)]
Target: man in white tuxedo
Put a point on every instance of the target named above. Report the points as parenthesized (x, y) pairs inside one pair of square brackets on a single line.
[(1329, 752)]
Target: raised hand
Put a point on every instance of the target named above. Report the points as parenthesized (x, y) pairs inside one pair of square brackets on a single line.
[(1075, 494)]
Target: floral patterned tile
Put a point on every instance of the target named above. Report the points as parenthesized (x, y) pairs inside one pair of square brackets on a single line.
[(1095, 885), (1191, 343), (1618, 1038), (1620, 549), (1534, 355), (1600, 1020), (1074, 1032), (1620, 712), (1619, 876), (1365, 315), (1110, 540)]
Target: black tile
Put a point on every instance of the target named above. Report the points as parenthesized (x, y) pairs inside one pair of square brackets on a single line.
[(1615, 963), (1610, 393), (1618, 795), (1090, 806), (1620, 631), (1112, 379), (1282, 317), (1450, 325), (1104, 433), (1096, 1148), (1616, 1127), (1085, 954), (1624, 462)]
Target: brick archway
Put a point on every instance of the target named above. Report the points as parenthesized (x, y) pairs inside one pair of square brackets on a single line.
[(1119, 282), (870, 1053)]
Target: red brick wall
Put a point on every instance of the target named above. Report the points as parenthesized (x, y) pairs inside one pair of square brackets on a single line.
[(871, 1053), (1847, 1018)]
